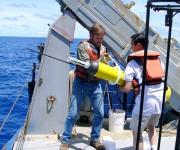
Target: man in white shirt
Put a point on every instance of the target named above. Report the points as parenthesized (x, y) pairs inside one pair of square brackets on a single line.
[(153, 94)]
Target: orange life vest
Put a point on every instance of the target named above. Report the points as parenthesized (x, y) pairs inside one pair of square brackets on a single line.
[(154, 70), (94, 56)]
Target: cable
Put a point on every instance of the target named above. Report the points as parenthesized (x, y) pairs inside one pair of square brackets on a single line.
[(12, 107), (64, 61)]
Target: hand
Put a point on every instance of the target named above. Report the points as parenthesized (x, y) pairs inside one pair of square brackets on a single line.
[(105, 58)]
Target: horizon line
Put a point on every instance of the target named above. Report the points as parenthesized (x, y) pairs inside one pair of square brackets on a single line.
[(33, 36)]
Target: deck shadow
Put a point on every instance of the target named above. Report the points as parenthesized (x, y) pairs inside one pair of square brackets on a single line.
[(127, 148), (80, 139)]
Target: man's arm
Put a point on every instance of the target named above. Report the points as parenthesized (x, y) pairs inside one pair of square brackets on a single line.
[(129, 75)]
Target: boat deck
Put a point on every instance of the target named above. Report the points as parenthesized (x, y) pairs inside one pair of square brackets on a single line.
[(112, 141)]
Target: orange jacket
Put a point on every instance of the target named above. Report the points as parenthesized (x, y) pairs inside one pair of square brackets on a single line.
[(154, 70), (94, 56)]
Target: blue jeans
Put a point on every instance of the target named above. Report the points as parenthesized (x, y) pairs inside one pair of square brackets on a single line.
[(81, 90)]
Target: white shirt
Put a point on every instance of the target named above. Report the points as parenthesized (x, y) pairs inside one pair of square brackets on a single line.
[(153, 94)]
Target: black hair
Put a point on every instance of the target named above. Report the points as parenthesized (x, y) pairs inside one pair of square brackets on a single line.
[(139, 38)]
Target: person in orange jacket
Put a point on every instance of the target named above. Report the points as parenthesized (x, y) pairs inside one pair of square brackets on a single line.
[(153, 94), (87, 85)]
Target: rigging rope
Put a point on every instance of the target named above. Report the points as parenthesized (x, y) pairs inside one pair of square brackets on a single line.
[(12, 107)]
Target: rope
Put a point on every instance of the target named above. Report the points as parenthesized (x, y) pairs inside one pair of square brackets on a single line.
[(12, 107), (106, 90)]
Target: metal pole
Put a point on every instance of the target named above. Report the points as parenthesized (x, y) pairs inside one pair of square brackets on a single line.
[(163, 1), (125, 99), (170, 16), (144, 74), (177, 146)]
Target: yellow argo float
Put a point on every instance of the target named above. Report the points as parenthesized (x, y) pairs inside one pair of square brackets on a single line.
[(114, 74), (168, 94)]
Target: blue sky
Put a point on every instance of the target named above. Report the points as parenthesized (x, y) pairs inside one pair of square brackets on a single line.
[(27, 18), (157, 19), (31, 18)]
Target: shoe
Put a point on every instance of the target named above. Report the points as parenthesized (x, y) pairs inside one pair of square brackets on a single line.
[(64, 146), (97, 145)]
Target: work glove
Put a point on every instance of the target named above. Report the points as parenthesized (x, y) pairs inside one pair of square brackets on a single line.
[(106, 58)]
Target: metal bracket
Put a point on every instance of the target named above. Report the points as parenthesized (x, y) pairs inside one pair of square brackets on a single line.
[(50, 101)]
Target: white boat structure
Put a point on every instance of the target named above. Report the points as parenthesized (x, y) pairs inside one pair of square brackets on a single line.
[(49, 106)]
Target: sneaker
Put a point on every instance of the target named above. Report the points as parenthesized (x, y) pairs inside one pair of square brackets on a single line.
[(64, 146), (97, 145)]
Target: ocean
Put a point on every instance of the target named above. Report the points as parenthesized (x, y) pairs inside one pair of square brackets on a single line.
[(15, 65), (15, 68)]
